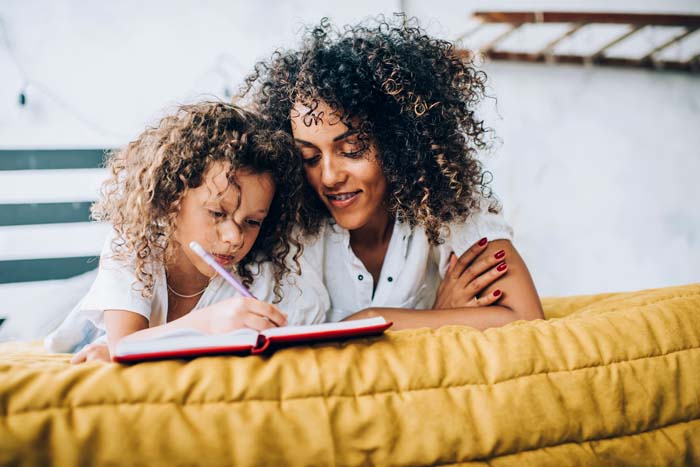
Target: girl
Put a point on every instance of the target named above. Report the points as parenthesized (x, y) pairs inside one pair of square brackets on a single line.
[(210, 173), (383, 116)]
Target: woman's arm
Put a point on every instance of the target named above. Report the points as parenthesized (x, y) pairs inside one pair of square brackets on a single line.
[(477, 317), (519, 300)]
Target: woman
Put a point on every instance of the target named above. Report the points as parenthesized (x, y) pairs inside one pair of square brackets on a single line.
[(383, 117)]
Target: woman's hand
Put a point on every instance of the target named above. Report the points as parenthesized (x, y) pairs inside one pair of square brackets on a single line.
[(467, 276), (240, 312), (92, 353)]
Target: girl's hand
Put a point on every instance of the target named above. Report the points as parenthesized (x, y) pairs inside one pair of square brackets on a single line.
[(467, 276), (241, 312), (92, 353)]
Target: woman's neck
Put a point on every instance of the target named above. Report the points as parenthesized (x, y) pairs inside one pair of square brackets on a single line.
[(371, 243), (375, 233)]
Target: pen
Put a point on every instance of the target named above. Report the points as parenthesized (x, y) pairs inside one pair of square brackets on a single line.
[(197, 248)]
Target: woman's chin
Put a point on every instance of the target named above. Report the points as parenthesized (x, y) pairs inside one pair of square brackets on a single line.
[(350, 222)]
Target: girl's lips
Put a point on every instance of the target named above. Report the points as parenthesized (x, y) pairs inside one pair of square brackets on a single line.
[(342, 200), (223, 260)]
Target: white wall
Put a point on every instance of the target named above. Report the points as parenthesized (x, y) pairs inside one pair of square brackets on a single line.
[(101, 70), (597, 168), (598, 171)]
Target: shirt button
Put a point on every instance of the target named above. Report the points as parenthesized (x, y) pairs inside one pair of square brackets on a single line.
[(360, 277), (390, 279)]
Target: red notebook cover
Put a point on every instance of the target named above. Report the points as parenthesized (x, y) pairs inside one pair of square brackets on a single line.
[(190, 343)]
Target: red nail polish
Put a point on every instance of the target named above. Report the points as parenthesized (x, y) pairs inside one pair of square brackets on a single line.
[(502, 267), (497, 293), (500, 254), (483, 241)]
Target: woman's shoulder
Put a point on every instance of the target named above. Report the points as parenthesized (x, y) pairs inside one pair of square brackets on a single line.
[(304, 297), (328, 233), (487, 221)]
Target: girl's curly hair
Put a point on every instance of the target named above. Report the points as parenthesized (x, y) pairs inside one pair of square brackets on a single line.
[(149, 177), (414, 96)]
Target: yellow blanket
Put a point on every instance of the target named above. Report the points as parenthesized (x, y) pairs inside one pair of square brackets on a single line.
[(607, 380)]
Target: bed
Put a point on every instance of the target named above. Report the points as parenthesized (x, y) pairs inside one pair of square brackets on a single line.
[(610, 379)]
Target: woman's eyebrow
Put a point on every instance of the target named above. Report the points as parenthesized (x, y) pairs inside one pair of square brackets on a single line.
[(343, 135), (350, 132)]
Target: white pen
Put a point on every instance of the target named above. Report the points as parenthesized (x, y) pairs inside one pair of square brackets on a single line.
[(197, 248)]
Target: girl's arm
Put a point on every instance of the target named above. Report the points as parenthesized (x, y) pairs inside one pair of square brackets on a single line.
[(519, 299), (224, 316), (123, 324), (119, 324)]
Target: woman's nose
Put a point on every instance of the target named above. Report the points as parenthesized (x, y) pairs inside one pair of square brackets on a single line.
[(332, 172)]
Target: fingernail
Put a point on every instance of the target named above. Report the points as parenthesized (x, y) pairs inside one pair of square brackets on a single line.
[(502, 267), (500, 254), (497, 293), (483, 241)]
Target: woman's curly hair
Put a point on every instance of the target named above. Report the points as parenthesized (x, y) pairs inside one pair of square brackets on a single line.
[(149, 177), (415, 98)]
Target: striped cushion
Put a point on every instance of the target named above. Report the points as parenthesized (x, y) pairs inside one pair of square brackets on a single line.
[(46, 235), (45, 198)]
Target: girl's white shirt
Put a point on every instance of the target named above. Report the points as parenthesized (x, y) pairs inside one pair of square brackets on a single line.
[(412, 268), (116, 288)]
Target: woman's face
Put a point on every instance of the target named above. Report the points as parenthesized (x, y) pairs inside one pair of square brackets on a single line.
[(349, 181), (224, 223)]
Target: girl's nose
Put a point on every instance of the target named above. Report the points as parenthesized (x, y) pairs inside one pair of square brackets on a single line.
[(232, 234)]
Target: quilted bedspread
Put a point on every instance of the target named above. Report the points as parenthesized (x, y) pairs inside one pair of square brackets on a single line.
[(609, 379)]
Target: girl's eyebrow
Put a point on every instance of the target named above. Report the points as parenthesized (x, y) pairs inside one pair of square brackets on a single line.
[(214, 204)]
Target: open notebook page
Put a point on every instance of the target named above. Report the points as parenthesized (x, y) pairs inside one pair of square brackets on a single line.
[(183, 339), (324, 327), (189, 339)]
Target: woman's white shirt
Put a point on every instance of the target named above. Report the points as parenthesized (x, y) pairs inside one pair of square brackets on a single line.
[(116, 288), (412, 268)]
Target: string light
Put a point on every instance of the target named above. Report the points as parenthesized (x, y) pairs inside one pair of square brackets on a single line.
[(22, 97), (224, 65)]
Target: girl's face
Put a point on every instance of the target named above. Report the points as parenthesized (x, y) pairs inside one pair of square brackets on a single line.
[(224, 223), (350, 182)]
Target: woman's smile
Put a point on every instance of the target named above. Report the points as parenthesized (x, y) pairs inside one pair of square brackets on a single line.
[(343, 200)]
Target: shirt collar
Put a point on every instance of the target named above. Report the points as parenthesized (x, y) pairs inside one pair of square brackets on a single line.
[(402, 232)]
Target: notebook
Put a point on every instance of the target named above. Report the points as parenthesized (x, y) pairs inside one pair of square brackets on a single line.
[(188, 343)]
